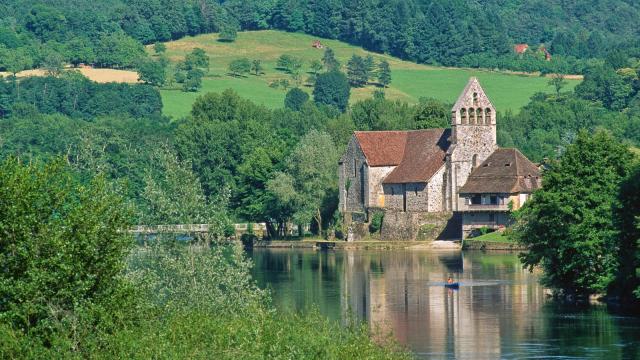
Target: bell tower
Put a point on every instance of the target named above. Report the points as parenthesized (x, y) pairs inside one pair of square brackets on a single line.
[(473, 127)]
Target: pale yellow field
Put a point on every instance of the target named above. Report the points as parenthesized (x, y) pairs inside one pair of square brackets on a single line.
[(97, 75)]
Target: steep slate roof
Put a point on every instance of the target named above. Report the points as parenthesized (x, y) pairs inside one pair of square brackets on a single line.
[(382, 148), (424, 155), (504, 171)]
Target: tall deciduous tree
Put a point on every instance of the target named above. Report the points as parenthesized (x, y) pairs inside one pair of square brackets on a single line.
[(174, 195), (568, 225), (240, 67), (333, 89), (627, 284), (311, 171), (295, 99)]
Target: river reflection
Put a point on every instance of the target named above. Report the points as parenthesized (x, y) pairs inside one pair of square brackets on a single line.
[(500, 310)]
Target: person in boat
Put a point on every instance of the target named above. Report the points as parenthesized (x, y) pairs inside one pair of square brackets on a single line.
[(449, 280)]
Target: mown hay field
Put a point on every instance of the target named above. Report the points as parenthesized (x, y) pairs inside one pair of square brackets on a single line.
[(410, 81), (95, 74)]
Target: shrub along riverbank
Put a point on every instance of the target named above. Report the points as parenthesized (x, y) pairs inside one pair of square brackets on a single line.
[(74, 285)]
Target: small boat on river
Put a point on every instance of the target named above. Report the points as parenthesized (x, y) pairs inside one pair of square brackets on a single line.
[(454, 285)]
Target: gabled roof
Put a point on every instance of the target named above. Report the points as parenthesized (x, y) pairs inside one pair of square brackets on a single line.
[(504, 171), (466, 98), (382, 148), (424, 155)]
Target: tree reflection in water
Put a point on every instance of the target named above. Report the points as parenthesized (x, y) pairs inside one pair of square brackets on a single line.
[(500, 310)]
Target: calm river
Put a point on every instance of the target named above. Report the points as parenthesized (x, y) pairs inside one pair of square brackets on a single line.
[(500, 310)]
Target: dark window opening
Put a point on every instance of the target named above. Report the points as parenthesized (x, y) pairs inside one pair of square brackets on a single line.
[(355, 168), (507, 164), (492, 217), (476, 199), (493, 200), (404, 197)]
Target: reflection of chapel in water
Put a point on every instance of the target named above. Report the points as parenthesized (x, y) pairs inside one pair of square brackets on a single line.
[(402, 293)]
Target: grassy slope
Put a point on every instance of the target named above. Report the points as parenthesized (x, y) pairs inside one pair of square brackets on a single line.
[(495, 236), (410, 81)]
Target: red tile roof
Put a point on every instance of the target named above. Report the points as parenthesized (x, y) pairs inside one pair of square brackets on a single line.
[(382, 148), (520, 48), (424, 155)]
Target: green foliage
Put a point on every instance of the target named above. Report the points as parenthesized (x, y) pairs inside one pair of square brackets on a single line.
[(239, 67), (73, 95), (15, 60), (316, 67), (295, 99), (545, 127), (628, 220), (193, 80), (118, 50), (309, 178), (357, 71), (384, 73), (568, 225), (558, 82), (52, 63), (256, 67), (329, 60), (381, 114), (159, 48), (228, 34), (290, 64), (152, 73), (197, 59), (376, 222), (605, 85), (430, 113), (79, 50), (174, 195), (333, 89), (63, 247)]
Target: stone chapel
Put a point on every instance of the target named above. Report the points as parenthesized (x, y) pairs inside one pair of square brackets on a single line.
[(458, 173)]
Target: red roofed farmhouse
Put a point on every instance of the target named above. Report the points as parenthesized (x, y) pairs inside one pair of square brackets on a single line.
[(457, 174)]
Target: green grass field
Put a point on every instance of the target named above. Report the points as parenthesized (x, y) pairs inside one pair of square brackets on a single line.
[(410, 81)]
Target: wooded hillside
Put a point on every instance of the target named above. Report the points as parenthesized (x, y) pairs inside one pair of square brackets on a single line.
[(452, 33)]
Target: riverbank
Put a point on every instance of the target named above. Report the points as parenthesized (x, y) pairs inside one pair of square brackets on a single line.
[(491, 245), (360, 245)]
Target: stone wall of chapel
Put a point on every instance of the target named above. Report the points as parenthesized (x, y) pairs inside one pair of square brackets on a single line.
[(417, 196), (353, 176), (393, 196), (436, 190), (376, 192)]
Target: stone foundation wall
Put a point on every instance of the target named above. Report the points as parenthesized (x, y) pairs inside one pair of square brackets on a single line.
[(409, 226)]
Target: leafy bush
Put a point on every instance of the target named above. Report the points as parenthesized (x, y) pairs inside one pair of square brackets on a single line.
[(376, 222), (62, 248)]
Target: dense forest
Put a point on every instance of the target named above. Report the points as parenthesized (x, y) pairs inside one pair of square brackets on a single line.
[(452, 33)]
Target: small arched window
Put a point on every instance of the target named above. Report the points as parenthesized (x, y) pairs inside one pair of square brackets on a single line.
[(472, 116), (487, 116), (475, 99), (479, 116), (463, 116), (474, 161)]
